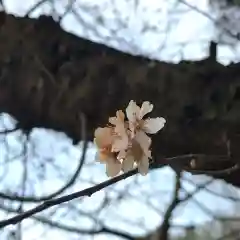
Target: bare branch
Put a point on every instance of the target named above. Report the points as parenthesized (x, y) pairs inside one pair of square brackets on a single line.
[(226, 30), (174, 162), (53, 202), (70, 182), (34, 7), (72, 229), (232, 198), (168, 214), (6, 131)]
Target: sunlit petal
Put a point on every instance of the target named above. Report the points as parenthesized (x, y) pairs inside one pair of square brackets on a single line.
[(153, 125), (146, 108), (113, 120), (119, 144), (132, 111), (120, 116)]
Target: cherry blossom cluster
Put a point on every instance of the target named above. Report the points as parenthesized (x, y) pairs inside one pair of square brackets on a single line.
[(124, 144)]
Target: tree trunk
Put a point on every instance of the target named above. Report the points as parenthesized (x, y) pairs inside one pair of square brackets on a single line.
[(49, 76)]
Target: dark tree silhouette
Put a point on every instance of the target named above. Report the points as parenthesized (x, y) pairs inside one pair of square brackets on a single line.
[(48, 83)]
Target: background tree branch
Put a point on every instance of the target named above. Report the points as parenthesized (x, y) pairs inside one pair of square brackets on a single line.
[(46, 83)]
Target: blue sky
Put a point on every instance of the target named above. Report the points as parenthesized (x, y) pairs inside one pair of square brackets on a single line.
[(138, 212)]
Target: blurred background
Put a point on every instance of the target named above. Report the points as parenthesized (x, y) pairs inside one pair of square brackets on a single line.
[(43, 164)]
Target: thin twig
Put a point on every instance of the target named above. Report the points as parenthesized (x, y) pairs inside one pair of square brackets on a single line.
[(70, 182), (34, 7), (232, 198), (177, 162), (66, 198), (67, 10), (24, 186), (6, 131), (226, 30), (215, 172), (163, 231), (87, 192), (73, 229)]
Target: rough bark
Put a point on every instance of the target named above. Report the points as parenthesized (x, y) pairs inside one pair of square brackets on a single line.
[(48, 76)]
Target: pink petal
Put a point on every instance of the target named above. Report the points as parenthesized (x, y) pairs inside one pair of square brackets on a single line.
[(113, 168), (120, 115), (120, 144), (103, 136), (120, 129), (132, 129), (128, 163), (144, 141), (121, 154), (143, 165)]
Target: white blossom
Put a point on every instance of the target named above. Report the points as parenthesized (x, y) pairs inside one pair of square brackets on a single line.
[(125, 143)]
